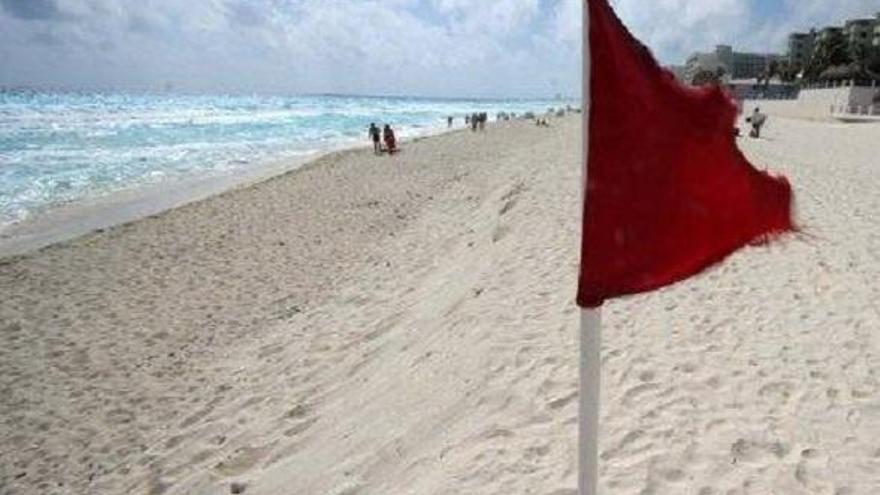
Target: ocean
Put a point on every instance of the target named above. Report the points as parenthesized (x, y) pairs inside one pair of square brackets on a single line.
[(63, 148)]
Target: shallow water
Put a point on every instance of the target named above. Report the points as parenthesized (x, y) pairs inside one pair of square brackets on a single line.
[(61, 148)]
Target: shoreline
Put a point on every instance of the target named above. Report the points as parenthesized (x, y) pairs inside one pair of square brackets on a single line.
[(69, 221)]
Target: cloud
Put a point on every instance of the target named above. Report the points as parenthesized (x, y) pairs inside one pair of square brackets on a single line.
[(431, 47), (426, 47), (250, 13), (821, 12), (31, 9), (498, 17), (567, 20)]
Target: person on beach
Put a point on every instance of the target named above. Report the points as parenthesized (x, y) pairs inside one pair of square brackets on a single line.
[(474, 122), (449, 121), (390, 140), (757, 120), (374, 135)]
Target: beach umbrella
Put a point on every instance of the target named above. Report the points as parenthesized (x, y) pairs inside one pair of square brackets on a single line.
[(667, 193)]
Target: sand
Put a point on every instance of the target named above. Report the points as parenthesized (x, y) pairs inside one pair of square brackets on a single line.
[(405, 325)]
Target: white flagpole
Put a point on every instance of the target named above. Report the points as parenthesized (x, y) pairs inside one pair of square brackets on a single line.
[(591, 320), (590, 380)]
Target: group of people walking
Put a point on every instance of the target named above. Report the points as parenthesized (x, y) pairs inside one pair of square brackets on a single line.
[(386, 135), (476, 120)]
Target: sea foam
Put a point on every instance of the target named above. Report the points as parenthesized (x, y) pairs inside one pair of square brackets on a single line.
[(58, 148)]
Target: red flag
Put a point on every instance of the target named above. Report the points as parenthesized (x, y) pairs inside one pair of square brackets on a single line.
[(668, 193)]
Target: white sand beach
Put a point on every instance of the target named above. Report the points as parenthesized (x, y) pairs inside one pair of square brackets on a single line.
[(374, 325)]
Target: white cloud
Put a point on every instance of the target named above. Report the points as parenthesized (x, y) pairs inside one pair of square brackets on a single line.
[(806, 12), (499, 17), (567, 20), (434, 47)]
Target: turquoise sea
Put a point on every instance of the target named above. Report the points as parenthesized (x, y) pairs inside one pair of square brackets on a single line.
[(60, 148)]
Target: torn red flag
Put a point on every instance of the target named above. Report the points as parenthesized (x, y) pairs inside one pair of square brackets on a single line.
[(668, 192)]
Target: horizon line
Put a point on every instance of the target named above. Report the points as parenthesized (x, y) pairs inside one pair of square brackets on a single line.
[(172, 91)]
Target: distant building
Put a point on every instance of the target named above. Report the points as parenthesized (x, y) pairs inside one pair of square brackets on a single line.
[(828, 32), (800, 48), (859, 34), (735, 65), (752, 65), (703, 62), (862, 37)]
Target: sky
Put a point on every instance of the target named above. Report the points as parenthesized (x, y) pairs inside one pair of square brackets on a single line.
[(449, 48)]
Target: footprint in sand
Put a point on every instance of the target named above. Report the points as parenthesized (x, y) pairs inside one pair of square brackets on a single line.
[(629, 439), (777, 391), (812, 462), (536, 452), (242, 460), (853, 417), (647, 376), (562, 401), (715, 424), (300, 427), (120, 416), (297, 412), (197, 416), (299, 415), (500, 233), (761, 453), (349, 490), (634, 393), (673, 475)]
